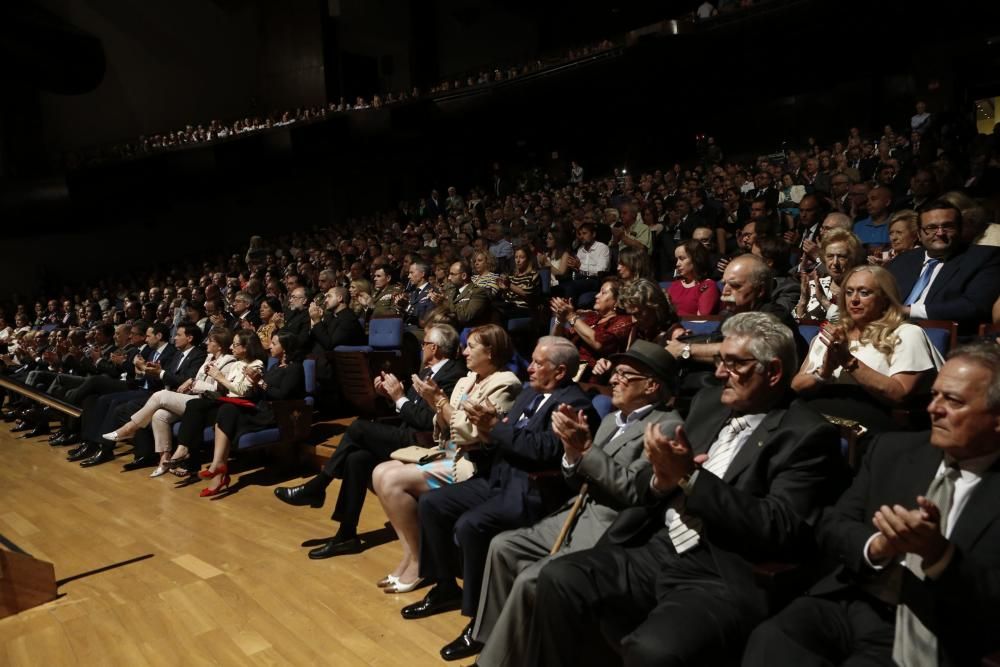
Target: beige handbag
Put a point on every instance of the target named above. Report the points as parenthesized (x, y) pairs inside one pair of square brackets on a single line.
[(417, 454)]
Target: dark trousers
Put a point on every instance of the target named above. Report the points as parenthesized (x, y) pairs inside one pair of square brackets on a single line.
[(573, 289), (199, 414), (95, 385), (470, 513), (363, 446), (674, 609), (99, 416), (819, 631)]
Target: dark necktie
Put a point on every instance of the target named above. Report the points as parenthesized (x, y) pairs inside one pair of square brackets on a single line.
[(529, 411)]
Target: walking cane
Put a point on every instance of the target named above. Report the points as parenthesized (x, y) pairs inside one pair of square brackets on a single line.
[(574, 511)]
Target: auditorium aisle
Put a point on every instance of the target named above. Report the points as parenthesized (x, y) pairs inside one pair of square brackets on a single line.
[(227, 582)]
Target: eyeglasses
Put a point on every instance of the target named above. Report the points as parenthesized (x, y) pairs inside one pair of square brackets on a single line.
[(934, 229), (734, 366), (625, 378)]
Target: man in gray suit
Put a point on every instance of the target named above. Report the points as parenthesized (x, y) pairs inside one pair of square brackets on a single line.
[(608, 462)]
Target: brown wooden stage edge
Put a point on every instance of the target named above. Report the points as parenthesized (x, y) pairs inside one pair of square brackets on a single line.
[(151, 574), (25, 582)]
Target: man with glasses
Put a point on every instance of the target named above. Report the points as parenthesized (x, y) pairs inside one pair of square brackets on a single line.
[(366, 444), (672, 580), (608, 463), (946, 279)]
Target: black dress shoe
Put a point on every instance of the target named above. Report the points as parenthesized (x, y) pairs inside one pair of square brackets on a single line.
[(65, 438), (42, 428), (141, 462), (338, 546), (464, 646), (22, 425), (84, 451), (300, 495), (436, 601), (102, 456)]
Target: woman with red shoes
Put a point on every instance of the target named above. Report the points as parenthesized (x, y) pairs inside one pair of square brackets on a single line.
[(284, 380)]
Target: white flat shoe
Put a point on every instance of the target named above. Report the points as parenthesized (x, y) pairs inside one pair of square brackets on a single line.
[(400, 587), (113, 436), (387, 580), (160, 470)]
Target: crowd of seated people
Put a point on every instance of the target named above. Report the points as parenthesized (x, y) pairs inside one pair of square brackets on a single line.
[(659, 564)]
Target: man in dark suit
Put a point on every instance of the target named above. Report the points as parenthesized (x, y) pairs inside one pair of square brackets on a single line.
[(947, 280), (608, 463), (740, 485), (500, 496), (917, 584), (366, 444), (162, 374), (297, 316)]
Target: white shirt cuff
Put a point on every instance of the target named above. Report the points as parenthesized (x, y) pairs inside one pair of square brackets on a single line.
[(402, 400), (568, 467), (864, 552), (162, 373), (918, 311)]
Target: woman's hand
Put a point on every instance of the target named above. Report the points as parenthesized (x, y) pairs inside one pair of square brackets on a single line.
[(213, 372), (838, 354), (601, 366), (428, 390), (253, 374), (185, 387)]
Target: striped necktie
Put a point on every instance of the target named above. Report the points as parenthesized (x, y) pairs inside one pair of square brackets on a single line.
[(922, 281), (685, 530)]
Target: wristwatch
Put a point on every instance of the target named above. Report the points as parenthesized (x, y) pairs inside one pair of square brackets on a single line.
[(686, 351)]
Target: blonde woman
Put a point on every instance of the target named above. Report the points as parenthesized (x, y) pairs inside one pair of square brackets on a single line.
[(484, 272), (872, 360), (399, 485)]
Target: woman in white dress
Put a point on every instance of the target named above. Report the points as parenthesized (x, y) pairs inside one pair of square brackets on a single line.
[(872, 361)]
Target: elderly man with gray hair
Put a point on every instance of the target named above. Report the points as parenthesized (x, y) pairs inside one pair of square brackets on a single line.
[(740, 483), (500, 496)]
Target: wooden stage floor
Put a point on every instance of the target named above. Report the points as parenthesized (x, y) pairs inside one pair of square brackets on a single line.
[(217, 581)]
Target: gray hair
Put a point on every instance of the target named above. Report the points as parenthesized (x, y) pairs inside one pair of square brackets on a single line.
[(986, 355), (760, 273), (445, 337), (329, 274), (560, 351), (841, 220), (243, 296), (767, 339), (421, 266)]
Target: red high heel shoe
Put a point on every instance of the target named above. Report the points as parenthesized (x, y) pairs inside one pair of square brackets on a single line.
[(207, 492), (209, 474)]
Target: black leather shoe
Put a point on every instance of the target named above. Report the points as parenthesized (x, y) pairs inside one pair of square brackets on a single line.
[(23, 425), (435, 602), (338, 546), (84, 451), (102, 456), (464, 646), (42, 428), (300, 495), (141, 462), (65, 438)]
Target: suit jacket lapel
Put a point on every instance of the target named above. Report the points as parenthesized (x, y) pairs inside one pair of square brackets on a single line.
[(702, 434), (605, 431), (753, 444), (981, 510), (947, 272)]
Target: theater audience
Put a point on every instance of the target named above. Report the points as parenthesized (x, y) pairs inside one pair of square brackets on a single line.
[(916, 540), (871, 360), (221, 372), (471, 513), (365, 444), (672, 581), (607, 462), (596, 333), (399, 485)]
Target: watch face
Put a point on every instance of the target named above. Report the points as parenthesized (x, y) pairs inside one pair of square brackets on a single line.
[(686, 352)]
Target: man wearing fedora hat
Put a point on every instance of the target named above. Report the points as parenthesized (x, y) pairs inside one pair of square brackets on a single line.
[(608, 462)]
